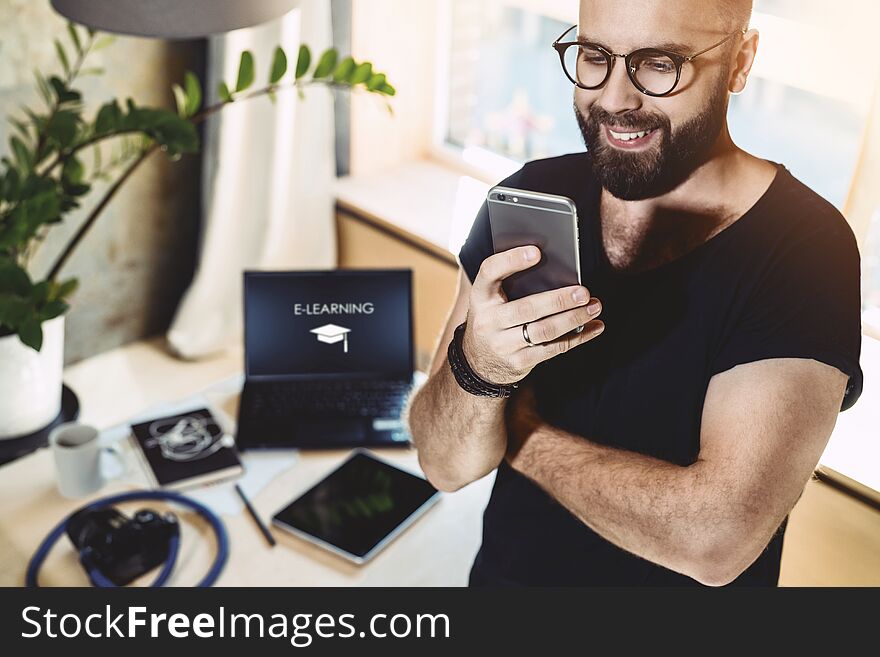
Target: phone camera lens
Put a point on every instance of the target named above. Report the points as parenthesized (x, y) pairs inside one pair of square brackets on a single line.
[(502, 197)]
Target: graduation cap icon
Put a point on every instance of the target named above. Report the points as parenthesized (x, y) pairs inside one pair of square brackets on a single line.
[(331, 334)]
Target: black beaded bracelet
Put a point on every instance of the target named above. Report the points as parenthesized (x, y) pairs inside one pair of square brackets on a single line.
[(467, 379)]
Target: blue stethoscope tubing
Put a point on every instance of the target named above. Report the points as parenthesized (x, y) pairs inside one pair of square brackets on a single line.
[(98, 579)]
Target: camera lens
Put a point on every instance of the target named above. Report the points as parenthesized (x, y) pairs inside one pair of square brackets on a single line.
[(502, 197)]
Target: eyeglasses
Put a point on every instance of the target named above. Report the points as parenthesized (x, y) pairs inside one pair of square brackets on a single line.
[(653, 71)]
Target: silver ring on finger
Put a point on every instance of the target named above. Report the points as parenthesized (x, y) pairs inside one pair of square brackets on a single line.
[(525, 330)]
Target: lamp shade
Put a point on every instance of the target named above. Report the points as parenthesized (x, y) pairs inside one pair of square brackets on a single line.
[(171, 19)]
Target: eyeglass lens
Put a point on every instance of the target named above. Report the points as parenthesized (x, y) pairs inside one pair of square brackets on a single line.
[(652, 70)]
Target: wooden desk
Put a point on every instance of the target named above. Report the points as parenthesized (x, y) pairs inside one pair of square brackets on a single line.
[(832, 539), (437, 550)]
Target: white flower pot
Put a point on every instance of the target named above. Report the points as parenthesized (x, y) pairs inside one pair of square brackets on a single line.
[(30, 381)]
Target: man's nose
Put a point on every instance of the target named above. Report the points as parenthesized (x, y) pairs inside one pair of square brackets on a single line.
[(619, 93)]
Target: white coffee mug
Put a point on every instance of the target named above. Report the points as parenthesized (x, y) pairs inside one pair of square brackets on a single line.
[(78, 463)]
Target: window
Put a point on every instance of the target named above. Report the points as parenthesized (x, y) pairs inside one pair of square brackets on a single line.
[(506, 101), (506, 94)]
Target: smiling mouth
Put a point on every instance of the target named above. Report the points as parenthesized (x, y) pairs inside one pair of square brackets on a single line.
[(629, 139)]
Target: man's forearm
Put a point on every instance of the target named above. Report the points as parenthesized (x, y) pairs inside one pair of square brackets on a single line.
[(678, 517), (460, 437)]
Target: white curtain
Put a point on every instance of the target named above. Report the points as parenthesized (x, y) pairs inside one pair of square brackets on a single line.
[(267, 175)]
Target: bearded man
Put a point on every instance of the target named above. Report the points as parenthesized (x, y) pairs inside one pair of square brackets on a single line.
[(667, 441)]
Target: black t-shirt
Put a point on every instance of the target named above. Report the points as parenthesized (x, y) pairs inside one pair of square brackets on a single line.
[(782, 281)]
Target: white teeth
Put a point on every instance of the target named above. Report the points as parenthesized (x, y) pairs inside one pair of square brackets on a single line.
[(626, 136)]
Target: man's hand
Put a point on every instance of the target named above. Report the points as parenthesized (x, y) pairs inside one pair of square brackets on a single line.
[(493, 341)]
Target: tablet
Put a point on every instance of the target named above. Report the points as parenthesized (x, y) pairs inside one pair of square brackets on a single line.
[(359, 508)]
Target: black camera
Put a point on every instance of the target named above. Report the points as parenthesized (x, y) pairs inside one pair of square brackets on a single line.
[(122, 548), (502, 197)]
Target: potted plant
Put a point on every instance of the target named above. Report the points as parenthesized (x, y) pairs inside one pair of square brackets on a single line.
[(55, 156)]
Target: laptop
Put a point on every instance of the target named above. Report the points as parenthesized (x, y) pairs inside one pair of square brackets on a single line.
[(328, 358)]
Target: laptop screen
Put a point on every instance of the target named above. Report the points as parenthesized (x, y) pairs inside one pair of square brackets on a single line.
[(328, 322)]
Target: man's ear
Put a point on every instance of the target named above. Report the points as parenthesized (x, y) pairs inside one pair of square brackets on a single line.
[(742, 65)]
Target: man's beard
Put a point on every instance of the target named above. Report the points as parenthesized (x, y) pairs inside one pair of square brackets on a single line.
[(635, 175)]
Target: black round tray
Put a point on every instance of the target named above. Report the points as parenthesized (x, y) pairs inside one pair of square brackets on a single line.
[(13, 448)]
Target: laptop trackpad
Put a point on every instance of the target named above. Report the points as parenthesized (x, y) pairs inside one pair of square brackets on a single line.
[(332, 429)]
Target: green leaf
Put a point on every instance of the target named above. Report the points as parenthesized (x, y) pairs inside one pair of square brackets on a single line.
[(326, 63), (92, 70), (80, 189), (303, 61), (40, 293), (344, 70), (63, 93), (14, 310), (174, 134), (245, 71), (41, 204), (193, 93), (10, 184), (51, 310), (74, 37), (53, 289), (361, 74), (43, 88), (22, 154), (376, 81), (39, 122), (109, 118), (13, 279), (62, 128), (73, 171), (62, 57), (68, 204), (223, 93), (179, 99), (67, 288), (35, 185), (22, 127), (387, 89), (105, 41), (279, 66), (31, 333)]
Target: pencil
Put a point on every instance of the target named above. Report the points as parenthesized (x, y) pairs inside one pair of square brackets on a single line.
[(253, 512)]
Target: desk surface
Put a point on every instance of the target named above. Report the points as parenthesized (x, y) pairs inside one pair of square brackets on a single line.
[(437, 550)]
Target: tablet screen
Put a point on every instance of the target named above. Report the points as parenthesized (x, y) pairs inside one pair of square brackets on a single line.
[(358, 506)]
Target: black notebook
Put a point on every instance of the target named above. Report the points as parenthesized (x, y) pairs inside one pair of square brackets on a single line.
[(188, 449)]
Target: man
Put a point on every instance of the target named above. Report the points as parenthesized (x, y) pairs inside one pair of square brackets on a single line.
[(666, 442)]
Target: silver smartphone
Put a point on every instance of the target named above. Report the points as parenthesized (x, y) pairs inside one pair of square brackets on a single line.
[(518, 218)]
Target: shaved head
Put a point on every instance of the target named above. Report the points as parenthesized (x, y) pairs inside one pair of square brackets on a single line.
[(735, 13), (664, 139)]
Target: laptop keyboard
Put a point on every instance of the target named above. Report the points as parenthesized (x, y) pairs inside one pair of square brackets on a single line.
[(378, 398)]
